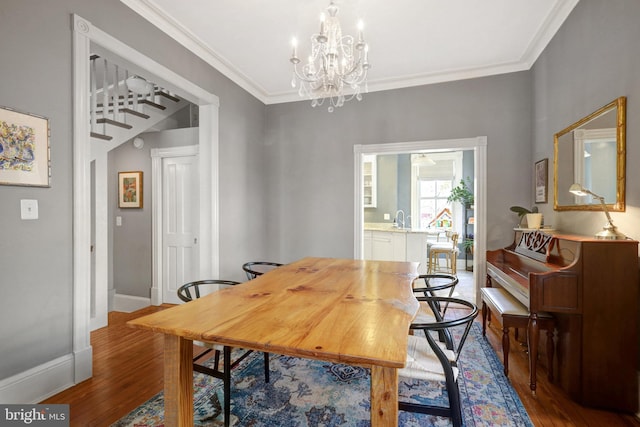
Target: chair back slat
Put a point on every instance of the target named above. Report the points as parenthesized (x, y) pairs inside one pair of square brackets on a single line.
[(444, 326), (185, 291), (254, 269)]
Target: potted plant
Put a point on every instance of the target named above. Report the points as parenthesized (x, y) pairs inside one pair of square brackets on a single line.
[(467, 244), (462, 193), (534, 219)]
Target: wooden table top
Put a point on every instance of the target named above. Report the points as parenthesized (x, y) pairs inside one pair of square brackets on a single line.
[(341, 310)]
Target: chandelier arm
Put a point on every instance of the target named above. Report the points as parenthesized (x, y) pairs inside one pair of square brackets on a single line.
[(302, 77)]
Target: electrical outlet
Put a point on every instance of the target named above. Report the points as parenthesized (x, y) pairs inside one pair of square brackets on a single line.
[(387, 217)]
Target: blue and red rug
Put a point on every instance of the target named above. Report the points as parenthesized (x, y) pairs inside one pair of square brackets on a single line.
[(305, 392)]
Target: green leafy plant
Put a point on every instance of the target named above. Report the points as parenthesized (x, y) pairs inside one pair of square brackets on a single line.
[(462, 193), (523, 211), (467, 244)]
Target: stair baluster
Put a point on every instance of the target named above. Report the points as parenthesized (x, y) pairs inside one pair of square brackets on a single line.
[(94, 98), (105, 95), (116, 94), (134, 98)]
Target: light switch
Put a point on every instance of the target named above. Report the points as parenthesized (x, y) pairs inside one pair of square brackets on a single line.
[(28, 209), (118, 221)]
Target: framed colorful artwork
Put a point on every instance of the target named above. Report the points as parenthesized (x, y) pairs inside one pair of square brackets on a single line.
[(540, 179), (130, 189), (24, 149)]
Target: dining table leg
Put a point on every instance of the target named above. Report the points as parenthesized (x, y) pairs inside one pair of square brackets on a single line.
[(384, 396), (178, 381)]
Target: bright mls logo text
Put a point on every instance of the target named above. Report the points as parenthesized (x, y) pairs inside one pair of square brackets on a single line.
[(38, 415)]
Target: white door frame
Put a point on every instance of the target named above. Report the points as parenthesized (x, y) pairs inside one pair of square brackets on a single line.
[(84, 33), (157, 155), (478, 145)]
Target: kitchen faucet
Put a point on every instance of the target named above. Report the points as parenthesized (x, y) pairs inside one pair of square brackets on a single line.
[(399, 224)]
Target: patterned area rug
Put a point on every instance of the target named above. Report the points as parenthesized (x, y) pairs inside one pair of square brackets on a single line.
[(305, 392)]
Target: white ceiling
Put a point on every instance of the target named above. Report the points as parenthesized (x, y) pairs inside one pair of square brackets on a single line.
[(412, 42)]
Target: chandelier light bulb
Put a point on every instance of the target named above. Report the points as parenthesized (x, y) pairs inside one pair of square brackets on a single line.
[(294, 55), (336, 62), (322, 37)]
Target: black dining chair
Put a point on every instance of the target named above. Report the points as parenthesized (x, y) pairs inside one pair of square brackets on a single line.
[(429, 359), (254, 269), (189, 292), (431, 285)]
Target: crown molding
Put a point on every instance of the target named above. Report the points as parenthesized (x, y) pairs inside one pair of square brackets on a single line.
[(548, 29), (417, 80), (158, 17)]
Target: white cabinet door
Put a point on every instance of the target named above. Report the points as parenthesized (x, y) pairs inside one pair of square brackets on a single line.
[(417, 250), (387, 246), (366, 242), (381, 246), (399, 246)]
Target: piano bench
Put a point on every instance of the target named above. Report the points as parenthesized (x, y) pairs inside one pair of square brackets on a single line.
[(513, 314)]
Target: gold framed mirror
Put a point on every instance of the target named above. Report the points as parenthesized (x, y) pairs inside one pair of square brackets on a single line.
[(592, 153)]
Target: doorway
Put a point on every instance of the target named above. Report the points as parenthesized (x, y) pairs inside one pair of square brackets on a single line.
[(477, 144), (84, 35)]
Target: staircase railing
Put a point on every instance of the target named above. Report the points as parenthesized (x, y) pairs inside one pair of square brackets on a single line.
[(113, 101)]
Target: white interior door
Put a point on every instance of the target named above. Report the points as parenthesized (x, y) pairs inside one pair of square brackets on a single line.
[(180, 224)]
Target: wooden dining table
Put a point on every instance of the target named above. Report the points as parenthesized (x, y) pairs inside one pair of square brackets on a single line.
[(355, 312)]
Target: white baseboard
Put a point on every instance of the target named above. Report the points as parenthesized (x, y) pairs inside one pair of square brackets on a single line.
[(156, 296), (83, 364), (129, 303), (110, 295), (38, 383)]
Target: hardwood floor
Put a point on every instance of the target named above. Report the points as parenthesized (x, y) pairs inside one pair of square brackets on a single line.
[(128, 371)]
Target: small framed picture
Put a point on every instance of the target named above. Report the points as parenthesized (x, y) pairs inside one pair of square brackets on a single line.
[(24, 149), (540, 179), (130, 189)]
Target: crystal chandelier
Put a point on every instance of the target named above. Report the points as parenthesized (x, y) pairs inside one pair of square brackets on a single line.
[(336, 63)]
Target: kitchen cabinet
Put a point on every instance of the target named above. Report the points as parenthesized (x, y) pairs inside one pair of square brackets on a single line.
[(387, 246), (369, 181), (366, 240), (417, 250), (397, 245)]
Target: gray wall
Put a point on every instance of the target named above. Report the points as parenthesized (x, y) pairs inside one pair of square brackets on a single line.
[(36, 263), (593, 59), (131, 250), (132, 255), (311, 191)]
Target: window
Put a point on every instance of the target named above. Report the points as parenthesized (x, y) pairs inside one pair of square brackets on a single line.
[(432, 201), (433, 177)]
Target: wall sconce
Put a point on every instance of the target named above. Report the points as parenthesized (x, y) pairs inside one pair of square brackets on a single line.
[(609, 231)]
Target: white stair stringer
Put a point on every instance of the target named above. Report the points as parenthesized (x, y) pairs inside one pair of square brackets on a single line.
[(139, 125)]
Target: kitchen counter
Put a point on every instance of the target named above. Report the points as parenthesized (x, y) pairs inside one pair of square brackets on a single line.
[(383, 241), (385, 226)]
